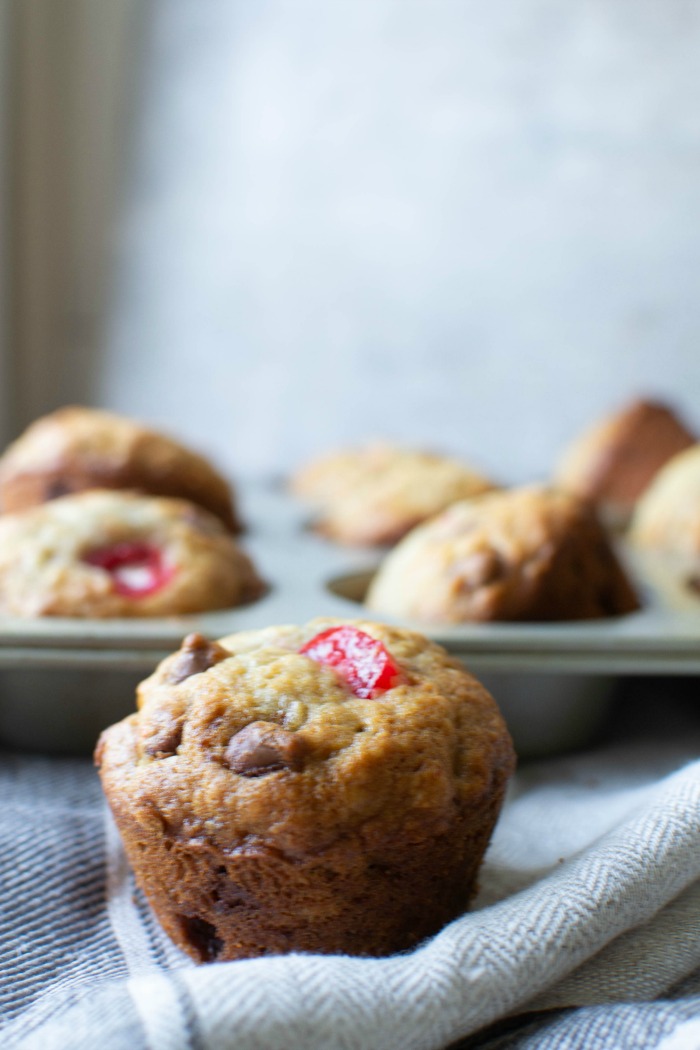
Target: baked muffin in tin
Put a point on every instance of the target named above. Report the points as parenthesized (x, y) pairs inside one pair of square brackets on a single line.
[(326, 788), (614, 461), (375, 495), (331, 475), (113, 554), (667, 517), (526, 554), (78, 448)]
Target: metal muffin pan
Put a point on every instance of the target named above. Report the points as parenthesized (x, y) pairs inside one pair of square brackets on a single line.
[(62, 681)]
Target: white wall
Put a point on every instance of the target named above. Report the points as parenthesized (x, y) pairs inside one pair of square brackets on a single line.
[(463, 224)]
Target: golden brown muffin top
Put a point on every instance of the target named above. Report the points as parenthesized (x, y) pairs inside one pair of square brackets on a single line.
[(375, 495), (107, 553), (667, 517), (324, 479), (332, 761), (90, 448), (527, 554), (615, 460)]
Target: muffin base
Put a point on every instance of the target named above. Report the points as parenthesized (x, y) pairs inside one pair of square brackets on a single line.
[(349, 899)]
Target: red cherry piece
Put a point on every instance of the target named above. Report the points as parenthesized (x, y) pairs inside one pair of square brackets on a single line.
[(136, 568), (363, 661)]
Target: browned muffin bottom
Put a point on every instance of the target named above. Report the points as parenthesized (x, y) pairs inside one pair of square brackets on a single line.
[(528, 554), (614, 461), (267, 808), (117, 554), (75, 448)]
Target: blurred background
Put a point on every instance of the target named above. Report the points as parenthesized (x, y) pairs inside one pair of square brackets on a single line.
[(274, 226)]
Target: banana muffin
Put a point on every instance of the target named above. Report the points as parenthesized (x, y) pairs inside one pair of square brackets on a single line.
[(527, 554), (78, 448), (324, 479), (375, 495), (667, 517), (106, 553), (328, 788), (614, 461)]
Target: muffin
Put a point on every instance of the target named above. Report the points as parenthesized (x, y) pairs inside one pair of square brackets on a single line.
[(76, 448), (667, 517), (105, 553), (327, 788), (614, 462), (527, 554), (375, 495), (329, 476)]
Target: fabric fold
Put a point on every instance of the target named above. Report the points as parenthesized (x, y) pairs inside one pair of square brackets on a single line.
[(590, 896)]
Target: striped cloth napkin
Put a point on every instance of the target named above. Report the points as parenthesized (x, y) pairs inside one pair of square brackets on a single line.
[(585, 932)]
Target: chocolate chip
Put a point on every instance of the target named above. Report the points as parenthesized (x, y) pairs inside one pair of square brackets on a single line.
[(263, 747), (202, 936), (165, 741), (197, 654)]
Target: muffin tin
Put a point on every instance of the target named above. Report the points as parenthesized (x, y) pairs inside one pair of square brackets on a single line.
[(62, 681)]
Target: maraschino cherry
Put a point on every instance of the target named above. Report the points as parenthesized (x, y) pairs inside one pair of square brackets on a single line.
[(363, 661), (137, 568)]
